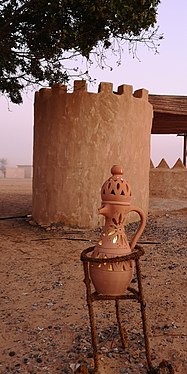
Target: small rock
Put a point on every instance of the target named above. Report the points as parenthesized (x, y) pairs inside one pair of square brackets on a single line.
[(165, 368), (12, 353), (32, 223), (25, 360), (104, 349), (115, 350), (173, 266), (39, 360), (89, 354)]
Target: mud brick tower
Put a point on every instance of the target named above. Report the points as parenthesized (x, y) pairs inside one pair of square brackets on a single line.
[(77, 137)]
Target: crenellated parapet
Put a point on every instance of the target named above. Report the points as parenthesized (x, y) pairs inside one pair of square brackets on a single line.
[(77, 137), (168, 182), (164, 165), (179, 165), (151, 164), (81, 87)]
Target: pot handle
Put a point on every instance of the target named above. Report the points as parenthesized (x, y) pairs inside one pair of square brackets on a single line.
[(141, 226)]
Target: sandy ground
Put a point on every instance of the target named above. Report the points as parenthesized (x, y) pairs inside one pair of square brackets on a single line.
[(44, 323)]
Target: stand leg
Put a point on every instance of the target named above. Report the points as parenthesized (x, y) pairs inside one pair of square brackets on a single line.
[(91, 316), (122, 331), (143, 314)]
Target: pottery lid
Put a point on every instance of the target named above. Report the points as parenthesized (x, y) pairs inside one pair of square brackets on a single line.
[(116, 190)]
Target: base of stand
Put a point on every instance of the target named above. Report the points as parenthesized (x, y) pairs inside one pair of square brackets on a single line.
[(132, 294), (164, 368)]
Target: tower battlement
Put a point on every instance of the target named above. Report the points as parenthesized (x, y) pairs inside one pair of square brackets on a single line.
[(80, 86)]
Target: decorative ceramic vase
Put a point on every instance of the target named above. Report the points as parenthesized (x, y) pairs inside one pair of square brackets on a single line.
[(114, 278)]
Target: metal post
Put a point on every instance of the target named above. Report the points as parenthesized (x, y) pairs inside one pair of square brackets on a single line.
[(185, 149), (143, 313), (91, 316), (122, 331)]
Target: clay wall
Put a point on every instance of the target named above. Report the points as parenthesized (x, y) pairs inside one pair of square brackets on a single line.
[(21, 171), (78, 137), (14, 173), (28, 170), (166, 182)]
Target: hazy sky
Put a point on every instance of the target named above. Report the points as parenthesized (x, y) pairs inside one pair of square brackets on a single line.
[(163, 73)]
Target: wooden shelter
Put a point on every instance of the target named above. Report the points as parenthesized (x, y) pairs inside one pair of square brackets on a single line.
[(170, 116)]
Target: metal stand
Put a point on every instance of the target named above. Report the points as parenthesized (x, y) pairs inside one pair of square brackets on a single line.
[(132, 294)]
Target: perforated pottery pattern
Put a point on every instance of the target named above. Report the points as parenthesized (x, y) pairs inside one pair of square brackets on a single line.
[(116, 188)]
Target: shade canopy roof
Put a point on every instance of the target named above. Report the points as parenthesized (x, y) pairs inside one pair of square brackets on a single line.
[(170, 114)]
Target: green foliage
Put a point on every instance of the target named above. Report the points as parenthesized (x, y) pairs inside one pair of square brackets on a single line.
[(38, 37)]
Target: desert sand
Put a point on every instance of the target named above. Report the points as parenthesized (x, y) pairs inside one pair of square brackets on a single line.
[(44, 324)]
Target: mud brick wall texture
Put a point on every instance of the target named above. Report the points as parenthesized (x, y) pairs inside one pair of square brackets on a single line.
[(78, 137), (168, 183)]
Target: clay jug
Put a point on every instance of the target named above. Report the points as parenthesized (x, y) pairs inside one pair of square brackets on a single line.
[(114, 278)]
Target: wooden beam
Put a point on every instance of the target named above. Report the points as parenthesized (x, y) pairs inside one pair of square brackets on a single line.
[(169, 104), (164, 123), (170, 114)]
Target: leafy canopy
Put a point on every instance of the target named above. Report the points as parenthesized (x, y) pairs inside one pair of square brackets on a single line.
[(40, 38)]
